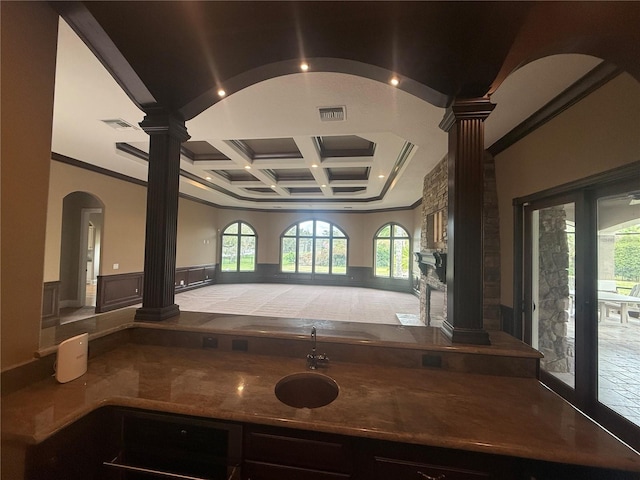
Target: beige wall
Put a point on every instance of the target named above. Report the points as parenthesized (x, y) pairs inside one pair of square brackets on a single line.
[(199, 225), (28, 42), (597, 134), (124, 218), (197, 236)]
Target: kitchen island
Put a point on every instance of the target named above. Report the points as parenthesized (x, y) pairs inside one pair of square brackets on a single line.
[(510, 416)]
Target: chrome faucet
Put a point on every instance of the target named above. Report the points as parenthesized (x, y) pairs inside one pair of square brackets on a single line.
[(313, 359)]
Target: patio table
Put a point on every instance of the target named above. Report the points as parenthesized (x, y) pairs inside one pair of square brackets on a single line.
[(608, 300)]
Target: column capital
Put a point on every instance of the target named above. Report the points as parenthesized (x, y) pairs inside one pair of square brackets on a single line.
[(466, 109), (161, 122)]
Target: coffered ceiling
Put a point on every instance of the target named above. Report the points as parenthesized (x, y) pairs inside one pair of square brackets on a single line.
[(336, 136)]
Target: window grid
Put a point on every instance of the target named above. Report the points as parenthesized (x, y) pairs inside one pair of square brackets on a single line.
[(307, 234), (390, 243), (238, 248)]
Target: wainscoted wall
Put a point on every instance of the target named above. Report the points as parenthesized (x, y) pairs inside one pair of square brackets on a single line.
[(355, 277), (124, 290), (51, 304), (118, 291)]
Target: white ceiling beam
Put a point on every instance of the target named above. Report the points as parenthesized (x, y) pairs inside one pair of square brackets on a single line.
[(334, 162), (307, 147)]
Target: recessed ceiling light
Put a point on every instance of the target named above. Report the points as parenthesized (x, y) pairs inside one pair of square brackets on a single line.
[(315, 165), (380, 176), (273, 186), (323, 185), (247, 167), (207, 178), (304, 66), (221, 93), (394, 81)]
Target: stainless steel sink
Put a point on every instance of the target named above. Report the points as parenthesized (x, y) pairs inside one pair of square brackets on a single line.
[(307, 390)]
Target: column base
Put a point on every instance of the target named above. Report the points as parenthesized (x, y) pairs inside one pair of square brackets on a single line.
[(157, 314), (470, 336)]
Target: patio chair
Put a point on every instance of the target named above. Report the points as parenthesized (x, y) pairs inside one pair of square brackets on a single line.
[(634, 311)]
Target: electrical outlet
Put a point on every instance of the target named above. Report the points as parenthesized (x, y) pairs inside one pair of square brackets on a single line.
[(431, 361), (116, 266), (240, 345)]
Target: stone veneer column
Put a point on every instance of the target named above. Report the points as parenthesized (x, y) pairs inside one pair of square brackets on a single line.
[(464, 122), (166, 132)]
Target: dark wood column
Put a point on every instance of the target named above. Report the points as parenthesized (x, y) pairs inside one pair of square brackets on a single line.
[(166, 133), (464, 121)]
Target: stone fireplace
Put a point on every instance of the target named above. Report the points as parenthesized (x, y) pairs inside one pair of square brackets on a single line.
[(433, 290)]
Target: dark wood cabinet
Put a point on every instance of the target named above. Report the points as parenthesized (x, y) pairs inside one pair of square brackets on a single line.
[(77, 451), (284, 454), (157, 446), (129, 444)]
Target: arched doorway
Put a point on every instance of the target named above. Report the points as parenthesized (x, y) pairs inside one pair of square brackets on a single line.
[(82, 225)]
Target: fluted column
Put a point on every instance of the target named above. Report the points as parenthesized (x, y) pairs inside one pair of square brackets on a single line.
[(464, 122), (166, 133)]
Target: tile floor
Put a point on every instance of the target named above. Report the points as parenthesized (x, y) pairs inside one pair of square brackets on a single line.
[(618, 366)]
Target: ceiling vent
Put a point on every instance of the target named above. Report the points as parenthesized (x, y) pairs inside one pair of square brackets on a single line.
[(332, 114), (119, 124)]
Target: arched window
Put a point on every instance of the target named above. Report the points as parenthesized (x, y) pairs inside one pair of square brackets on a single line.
[(392, 249), (314, 246), (238, 248)]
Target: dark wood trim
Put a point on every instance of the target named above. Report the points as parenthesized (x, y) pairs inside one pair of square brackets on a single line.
[(94, 168), (586, 85), (118, 291), (124, 289), (464, 123), (97, 40), (624, 172), (50, 304), (166, 132), (189, 278)]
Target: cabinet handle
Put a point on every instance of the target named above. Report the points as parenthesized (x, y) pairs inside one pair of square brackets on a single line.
[(429, 477)]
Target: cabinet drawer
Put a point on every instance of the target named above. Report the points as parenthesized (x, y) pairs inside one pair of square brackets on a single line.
[(387, 468), (266, 471), (300, 449)]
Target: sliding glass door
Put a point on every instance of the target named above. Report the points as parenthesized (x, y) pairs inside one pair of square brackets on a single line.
[(618, 241), (551, 287), (580, 295)]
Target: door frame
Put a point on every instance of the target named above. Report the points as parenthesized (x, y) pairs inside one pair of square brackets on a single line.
[(85, 214), (585, 193)]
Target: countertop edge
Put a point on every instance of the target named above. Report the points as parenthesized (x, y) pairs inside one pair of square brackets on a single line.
[(426, 440)]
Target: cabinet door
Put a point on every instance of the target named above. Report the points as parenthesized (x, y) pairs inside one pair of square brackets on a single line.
[(155, 445), (311, 451), (76, 452)]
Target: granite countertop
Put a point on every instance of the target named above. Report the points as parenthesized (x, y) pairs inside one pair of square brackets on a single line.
[(483, 413)]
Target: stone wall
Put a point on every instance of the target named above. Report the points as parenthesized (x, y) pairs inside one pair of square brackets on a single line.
[(553, 291), (434, 199), (491, 248)]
